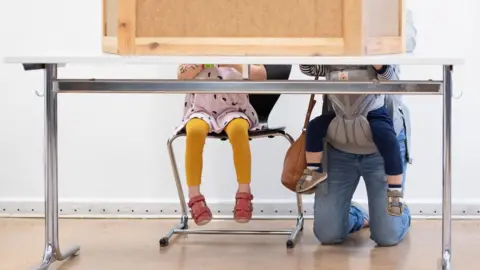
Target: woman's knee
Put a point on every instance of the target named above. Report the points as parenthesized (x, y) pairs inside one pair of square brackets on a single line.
[(328, 225), (390, 233), (329, 234), (386, 240)]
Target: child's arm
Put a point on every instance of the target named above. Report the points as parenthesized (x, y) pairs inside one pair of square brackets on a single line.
[(313, 70), (257, 72), (387, 72), (384, 72), (188, 72)]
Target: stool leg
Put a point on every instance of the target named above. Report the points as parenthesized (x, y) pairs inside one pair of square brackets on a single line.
[(183, 225), (292, 239)]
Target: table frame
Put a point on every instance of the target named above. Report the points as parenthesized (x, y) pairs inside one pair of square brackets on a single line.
[(54, 86)]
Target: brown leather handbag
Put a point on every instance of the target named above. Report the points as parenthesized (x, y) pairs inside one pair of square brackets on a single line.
[(295, 161)]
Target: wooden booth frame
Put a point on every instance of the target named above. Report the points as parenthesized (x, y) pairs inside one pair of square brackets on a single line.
[(360, 32)]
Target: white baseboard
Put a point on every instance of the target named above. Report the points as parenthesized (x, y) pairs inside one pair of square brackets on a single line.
[(266, 209)]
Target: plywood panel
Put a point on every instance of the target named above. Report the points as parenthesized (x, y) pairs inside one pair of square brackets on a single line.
[(382, 18), (110, 17), (161, 18), (126, 26), (353, 27), (218, 18), (328, 18), (239, 18), (348, 27), (277, 18)]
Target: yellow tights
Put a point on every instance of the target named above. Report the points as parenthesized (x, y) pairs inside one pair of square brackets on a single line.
[(237, 132)]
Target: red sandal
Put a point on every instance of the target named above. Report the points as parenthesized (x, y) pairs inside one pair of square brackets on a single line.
[(201, 214), (242, 212)]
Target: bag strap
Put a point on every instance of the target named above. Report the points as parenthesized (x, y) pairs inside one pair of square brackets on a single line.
[(325, 107), (311, 105)]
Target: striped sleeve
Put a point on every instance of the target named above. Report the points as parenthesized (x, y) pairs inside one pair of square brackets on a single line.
[(388, 73), (313, 70)]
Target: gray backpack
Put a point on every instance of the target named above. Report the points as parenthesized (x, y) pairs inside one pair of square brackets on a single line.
[(350, 131)]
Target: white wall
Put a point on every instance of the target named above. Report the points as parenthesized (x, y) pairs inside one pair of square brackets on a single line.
[(113, 147)]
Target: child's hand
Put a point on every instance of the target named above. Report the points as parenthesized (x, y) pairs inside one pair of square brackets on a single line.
[(258, 73), (188, 72)]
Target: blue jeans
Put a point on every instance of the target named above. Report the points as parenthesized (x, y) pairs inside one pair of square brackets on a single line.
[(335, 217)]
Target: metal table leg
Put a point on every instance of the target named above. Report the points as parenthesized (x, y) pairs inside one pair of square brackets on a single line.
[(52, 251), (447, 172)]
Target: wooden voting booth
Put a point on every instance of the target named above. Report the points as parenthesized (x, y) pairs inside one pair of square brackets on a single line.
[(254, 27)]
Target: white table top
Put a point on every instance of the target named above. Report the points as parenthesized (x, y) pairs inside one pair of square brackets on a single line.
[(109, 59)]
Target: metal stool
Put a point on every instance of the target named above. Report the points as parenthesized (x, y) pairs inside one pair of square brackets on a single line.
[(263, 104)]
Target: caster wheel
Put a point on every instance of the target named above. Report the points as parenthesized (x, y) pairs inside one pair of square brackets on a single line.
[(301, 229), (164, 242), (290, 244), (185, 227)]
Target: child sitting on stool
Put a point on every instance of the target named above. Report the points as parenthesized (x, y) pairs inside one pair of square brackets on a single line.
[(382, 129), (216, 113)]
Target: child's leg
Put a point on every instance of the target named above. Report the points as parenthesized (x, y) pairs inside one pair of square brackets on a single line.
[(197, 131), (237, 132), (385, 138), (315, 135)]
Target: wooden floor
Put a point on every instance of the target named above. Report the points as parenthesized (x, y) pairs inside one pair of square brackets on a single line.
[(133, 245)]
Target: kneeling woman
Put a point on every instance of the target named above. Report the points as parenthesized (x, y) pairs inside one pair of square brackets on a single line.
[(216, 113)]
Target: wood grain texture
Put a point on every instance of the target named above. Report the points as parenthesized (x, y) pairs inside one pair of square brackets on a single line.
[(127, 26), (240, 46), (104, 18), (239, 18), (133, 244), (402, 24), (383, 45), (328, 16), (382, 18), (110, 45), (110, 17), (354, 27)]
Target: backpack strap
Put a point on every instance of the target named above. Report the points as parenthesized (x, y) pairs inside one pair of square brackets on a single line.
[(311, 105), (327, 105)]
